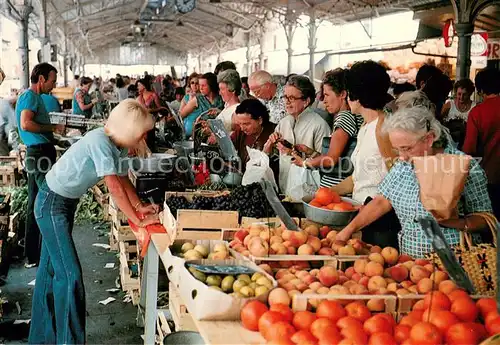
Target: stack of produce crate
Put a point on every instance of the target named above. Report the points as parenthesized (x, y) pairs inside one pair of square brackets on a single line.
[(9, 173), (123, 239)]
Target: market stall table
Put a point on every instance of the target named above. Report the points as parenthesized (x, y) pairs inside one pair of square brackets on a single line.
[(212, 332)]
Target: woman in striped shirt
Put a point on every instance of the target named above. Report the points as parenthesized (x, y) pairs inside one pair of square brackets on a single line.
[(334, 161)]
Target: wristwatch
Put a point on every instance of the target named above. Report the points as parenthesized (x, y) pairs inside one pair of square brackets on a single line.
[(304, 164)]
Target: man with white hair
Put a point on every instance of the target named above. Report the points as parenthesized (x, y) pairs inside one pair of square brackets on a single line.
[(8, 128), (263, 87)]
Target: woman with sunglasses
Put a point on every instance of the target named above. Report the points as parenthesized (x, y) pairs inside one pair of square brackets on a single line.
[(415, 132), (192, 89)]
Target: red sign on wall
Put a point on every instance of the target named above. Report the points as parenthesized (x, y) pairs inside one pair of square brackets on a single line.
[(494, 50)]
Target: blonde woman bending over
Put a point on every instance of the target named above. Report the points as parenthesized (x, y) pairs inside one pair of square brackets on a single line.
[(58, 308)]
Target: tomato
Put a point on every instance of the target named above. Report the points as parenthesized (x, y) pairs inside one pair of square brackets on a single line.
[(304, 337), (486, 305), (493, 326), (358, 310), (443, 319), (331, 310), (354, 336), (251, 313), (389, 318), (425, 333), (322, 327), (419, 305), (416, 314), (462, 333), (459, 293), (382, 338), (284, 310), (343, 206), (437, 300), (330, 339), (326, 196), (479, 329), (401, 333), (465, 309), (408, 321), (267, 320), (349, 321), (377, 324), (281, 331), (490, 316), (302, 320)]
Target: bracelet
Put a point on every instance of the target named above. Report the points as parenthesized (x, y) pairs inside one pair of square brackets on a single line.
[(136, 207), (304, 163), (466, 226)]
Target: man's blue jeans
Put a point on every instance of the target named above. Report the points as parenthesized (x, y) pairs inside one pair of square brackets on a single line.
[(58, 308)]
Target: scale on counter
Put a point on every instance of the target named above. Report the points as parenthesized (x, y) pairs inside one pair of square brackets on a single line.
[(73, 120)]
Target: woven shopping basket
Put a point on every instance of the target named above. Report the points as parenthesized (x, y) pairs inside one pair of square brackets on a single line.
[(478, 260)]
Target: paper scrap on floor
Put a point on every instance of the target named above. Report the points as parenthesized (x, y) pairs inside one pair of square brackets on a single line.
[(113, 290), (18, 322), (107, 301), (110, 265), (32, 283), (102, 245)]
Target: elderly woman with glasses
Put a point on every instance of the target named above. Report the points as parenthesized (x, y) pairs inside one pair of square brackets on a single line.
[(229, 89), (302, 125), (58, 308), (415, 132)]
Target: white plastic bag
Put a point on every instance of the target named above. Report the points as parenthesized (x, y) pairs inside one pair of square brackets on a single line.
[(258, 168), (301, 182)]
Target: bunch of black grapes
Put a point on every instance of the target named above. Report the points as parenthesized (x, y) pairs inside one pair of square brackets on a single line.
[(250, 201), (177, 203)]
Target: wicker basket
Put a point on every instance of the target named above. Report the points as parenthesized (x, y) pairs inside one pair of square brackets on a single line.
[(478, 260)]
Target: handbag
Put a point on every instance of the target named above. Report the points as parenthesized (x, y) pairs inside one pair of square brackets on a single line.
[(478, 260)]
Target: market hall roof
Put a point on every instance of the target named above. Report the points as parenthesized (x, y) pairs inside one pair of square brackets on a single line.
[(96, 25)]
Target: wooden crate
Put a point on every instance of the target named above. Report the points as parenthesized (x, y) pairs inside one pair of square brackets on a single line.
[(116, 215), (273, 222), (113, 243), (128, 281), (122, 233), (180, 315), (162, 327), (200, 224), (300, 302), (8, 176)]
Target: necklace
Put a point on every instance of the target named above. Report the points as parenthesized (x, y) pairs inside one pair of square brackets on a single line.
[(257, 138)]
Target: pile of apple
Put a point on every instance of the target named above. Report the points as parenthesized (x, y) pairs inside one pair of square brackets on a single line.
[(259, 240), (450, 318)]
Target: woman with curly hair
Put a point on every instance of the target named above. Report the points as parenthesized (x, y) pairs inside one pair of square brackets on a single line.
[(367, 85)]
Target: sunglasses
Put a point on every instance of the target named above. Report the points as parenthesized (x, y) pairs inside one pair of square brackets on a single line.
[(194, 83)]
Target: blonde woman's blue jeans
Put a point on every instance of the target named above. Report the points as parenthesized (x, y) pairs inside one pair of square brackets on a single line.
[(58, 308)]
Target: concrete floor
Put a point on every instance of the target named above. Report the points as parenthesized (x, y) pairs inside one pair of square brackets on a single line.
[(111, 324)]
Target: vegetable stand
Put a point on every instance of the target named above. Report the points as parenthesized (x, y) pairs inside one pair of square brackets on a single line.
[(213, 332)]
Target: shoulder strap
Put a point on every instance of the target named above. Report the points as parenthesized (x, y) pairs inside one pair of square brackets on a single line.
[(384, 144)]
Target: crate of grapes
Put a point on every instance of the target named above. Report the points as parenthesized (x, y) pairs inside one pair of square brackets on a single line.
[(199, 215)]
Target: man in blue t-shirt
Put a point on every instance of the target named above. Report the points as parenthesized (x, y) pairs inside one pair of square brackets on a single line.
[(36, 132)]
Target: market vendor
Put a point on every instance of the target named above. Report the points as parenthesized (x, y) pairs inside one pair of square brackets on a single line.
[(58, 308), (253, 128), (147, 96), (302, 125), (208, 101), (415, 132), (343, 138), (367, 84), (82, 101)]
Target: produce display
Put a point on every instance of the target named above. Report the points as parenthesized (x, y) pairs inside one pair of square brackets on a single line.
[(240, 286), (440, 319), (260, 240), (249, 201), (329, 200), (191, 251)]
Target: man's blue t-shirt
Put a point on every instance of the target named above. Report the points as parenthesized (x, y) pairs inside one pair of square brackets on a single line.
[(29, 100), (51, 103), (85, 163)]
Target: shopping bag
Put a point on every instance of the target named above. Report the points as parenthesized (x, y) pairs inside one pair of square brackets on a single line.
[(301, 182), (442, 179), (258, 168)]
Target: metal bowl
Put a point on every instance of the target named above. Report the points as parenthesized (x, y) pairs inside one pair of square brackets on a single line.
[(183, 338), (232, 179), (184, 148), (328, 217)]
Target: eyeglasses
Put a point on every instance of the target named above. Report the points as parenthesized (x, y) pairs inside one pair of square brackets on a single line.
[(194, 83), (287, 98), (411, 147)]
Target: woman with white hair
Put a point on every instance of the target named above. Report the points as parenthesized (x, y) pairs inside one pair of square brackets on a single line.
[(415, 132), (58, 309), (229, 89)]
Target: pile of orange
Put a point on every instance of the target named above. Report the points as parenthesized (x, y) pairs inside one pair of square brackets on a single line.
[(451, 319), (329, 200)]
